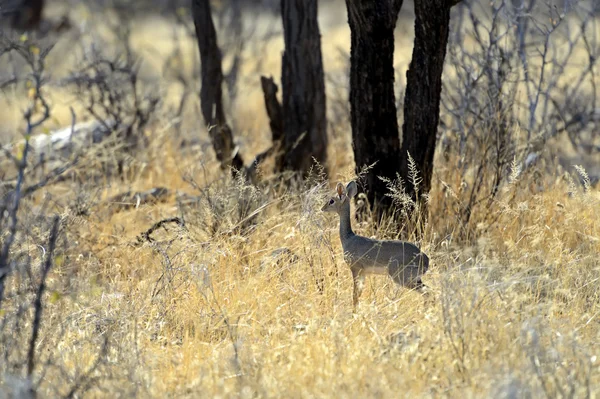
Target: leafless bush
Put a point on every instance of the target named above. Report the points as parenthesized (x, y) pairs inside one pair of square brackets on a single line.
[(509, 89), (222, 208), (44, 162), (31, 78), (113, 94), (32, 242), (35, 115)]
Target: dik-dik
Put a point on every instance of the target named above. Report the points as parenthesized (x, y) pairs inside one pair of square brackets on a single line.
[(402, 261)]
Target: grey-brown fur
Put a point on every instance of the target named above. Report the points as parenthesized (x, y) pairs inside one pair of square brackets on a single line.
[(401, 260)]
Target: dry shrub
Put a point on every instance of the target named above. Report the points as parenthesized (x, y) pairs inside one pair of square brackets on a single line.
[(266, 309), (249, 295)]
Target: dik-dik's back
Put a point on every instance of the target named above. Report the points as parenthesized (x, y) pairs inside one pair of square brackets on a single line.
[(401, 260)]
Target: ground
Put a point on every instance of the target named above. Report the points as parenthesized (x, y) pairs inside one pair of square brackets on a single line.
[(251, 297)]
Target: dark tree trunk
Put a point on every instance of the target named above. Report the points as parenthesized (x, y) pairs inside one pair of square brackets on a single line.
[(423, 90), (211, 92), (273, 109), (276, 123), (28, 15), (303, 88), (372, 100)]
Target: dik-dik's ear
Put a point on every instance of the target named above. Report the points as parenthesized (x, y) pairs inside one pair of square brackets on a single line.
[(340, 190), (351, 189)]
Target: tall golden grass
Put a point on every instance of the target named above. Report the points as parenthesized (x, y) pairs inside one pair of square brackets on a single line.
[(251, 298)]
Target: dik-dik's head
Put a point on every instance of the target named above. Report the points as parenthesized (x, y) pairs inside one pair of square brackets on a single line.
[(341, 198)]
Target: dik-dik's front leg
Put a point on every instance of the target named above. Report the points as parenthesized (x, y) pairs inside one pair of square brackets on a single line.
[(358, 279)]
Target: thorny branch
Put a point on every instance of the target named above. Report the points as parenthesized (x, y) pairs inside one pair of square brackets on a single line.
[(512, 82), (37, 304), (10, 204)]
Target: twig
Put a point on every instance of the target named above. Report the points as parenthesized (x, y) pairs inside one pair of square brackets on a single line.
[(37, 304), (145, 236), (84, 382)]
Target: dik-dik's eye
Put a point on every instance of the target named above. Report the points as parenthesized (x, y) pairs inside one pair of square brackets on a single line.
[(331, 201)]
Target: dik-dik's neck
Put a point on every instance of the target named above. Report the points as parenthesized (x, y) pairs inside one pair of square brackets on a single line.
[(345, 225)]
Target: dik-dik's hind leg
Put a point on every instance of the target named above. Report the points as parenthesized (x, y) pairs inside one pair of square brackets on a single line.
[(419, 286), (425, 291), (358, 279), (407, 276)]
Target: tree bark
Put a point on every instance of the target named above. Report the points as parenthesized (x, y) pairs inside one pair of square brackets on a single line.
[(211, 92), (372, 99), (423, 90), (273, 107), (276, 123), (303, 88), (28, 15)]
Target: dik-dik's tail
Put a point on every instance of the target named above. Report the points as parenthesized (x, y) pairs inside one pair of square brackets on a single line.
[(423, 263)]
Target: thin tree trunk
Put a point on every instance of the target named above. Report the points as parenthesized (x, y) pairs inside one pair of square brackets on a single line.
[(276, 123), (303, 88), (211, 92), (423, 90), (273, 109), (372, 100)]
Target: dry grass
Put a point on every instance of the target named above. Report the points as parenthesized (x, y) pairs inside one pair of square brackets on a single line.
[(209, 310), (516, 311)]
